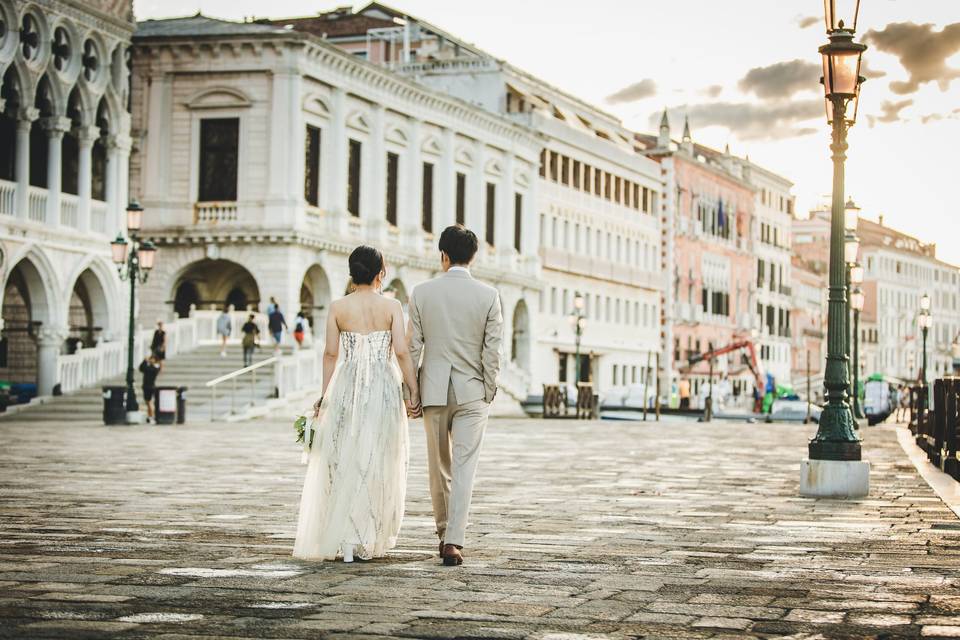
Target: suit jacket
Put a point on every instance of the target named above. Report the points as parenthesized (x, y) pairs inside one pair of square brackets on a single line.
[(457, 327)]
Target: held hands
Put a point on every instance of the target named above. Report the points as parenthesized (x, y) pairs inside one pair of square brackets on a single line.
[(414, 407)]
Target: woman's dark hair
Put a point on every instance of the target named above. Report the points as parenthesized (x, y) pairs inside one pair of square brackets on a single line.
[(365, 263), (459, 243)]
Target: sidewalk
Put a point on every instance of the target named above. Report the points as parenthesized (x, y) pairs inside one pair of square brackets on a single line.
[(680, 530)]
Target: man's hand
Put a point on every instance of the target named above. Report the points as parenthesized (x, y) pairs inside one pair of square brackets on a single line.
[(414, 407)]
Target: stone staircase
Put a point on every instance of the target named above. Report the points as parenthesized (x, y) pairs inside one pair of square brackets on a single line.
[(192, 370)]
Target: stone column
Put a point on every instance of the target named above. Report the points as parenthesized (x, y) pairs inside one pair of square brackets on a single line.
[(446, 212), (55, 127), (86, 137), (530, 227), (477, 193), (503, 225), (334, 161), (118, 156), (373, 209), (49, 343), (27, 117), (411, 213)]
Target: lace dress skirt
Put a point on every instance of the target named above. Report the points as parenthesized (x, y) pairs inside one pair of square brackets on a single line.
[(357, 469)]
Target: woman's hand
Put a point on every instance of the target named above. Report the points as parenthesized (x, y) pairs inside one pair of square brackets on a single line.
[(414, 406)]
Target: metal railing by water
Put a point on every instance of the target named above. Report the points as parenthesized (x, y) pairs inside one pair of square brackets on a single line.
[(232, 377)]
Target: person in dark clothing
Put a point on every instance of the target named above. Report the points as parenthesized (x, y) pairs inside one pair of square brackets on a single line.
[(158, 346), (250, 332), (150, 368), (276, 323)]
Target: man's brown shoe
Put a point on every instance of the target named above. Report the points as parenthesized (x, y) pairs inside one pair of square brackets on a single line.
[(451, 555)]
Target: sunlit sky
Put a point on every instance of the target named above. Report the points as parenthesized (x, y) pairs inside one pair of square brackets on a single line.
[(694, 56)]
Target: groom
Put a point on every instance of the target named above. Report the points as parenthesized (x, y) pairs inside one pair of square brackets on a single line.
[(457, 326)]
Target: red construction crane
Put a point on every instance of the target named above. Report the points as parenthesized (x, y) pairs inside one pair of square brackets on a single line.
[(751, 361)]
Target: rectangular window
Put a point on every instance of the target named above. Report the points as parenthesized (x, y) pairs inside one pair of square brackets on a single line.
[(576, 174), (219, 142), (461, 198), (554, 169), (491, 209), (636, 198), (427, 210), (588, 178), (597, 182), (311, 174), (517, 219), (618, 190), (393, 165), (353, 177), (607, 184), (565, 170), (543, 163)]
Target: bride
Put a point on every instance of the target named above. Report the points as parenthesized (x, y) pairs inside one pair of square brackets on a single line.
[(352, 501)]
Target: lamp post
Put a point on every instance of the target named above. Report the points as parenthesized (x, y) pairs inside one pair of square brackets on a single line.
[(578, 320), (926, 321), (856, 303), (836, 439), (134, 260)]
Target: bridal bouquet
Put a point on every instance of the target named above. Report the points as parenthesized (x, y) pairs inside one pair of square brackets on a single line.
[(303, 427)]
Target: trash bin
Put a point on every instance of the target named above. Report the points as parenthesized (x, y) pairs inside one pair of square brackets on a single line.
[(181, 405), (166, 405), (115, 405)]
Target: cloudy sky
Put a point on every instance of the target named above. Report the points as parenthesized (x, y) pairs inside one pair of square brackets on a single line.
[(745, 71)]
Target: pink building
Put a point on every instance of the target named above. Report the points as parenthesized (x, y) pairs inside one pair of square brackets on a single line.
[(708, 259)]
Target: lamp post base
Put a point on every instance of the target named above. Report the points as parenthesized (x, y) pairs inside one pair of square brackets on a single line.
[(834, 450), (834, 478)]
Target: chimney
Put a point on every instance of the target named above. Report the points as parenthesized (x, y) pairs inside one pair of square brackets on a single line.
[(881, 220)]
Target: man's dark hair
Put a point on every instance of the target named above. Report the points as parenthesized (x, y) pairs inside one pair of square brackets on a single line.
[(459, 243)]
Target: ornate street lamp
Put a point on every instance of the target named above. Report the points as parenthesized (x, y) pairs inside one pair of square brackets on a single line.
[(856, 302), (578, 320), (836, 439), (925, 321), (134, 260)]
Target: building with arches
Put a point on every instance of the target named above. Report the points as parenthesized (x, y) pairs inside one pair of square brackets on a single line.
[(64, 148), (264, 155)]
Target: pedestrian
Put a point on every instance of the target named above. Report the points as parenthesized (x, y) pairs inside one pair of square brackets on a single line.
[(251, 334), (272, 306), (299, 328), (905, 407), (158, 346), (150, 368), (894, 401), (684, 394), (276, 323), (224, 329)]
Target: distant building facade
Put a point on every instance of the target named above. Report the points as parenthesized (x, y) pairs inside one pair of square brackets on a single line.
[(708, 262), (597, 196), (266, 155), (64, 145)]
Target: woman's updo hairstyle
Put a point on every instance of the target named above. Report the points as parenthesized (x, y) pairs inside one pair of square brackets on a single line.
[(365, 264)]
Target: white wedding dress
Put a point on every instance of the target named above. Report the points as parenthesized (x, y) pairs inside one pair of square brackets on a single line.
[(356, 477)]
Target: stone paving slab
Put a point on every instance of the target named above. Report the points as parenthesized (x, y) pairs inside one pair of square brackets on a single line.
[(580, 531)]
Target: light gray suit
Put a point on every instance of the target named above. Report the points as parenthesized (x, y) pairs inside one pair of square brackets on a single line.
[(457, 327)]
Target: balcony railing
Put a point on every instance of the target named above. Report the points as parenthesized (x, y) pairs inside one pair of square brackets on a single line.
[(98, 216), (37, 204), (8, 197), (206, 212), (69, 210)]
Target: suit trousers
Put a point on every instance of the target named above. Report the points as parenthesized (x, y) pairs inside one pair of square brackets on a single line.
[(454, 435)]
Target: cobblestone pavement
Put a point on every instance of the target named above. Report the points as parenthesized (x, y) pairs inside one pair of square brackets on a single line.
[(580, 530)]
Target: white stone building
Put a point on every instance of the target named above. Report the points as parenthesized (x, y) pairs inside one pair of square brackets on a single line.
[(64, 147), (265, 155), (773, 215), (596, 195)]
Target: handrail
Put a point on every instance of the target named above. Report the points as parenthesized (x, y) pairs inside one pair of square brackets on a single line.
[(240, 372), (233, 375)]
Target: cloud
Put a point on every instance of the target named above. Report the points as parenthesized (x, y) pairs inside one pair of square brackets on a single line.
[(807, 21), (646, 88), (750, 121), (922, 51), (890, 111), (869, 72), (713, 90), (781, 80)]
